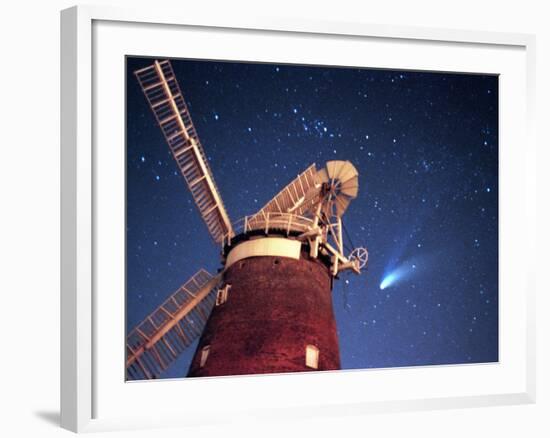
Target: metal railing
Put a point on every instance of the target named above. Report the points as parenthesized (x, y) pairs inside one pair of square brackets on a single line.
[(285, 222)]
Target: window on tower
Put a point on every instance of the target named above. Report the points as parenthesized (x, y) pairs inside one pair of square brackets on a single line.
[(204, 355), (222, 295), (312, 356)]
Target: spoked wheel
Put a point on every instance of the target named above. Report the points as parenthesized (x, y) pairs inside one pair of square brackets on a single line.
[(361, 255)]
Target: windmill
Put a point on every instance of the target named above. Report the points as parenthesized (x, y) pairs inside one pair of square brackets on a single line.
[(269, 309)]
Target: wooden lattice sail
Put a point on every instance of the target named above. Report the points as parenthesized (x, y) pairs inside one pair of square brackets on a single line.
[(161, 337), (165, 98), (296, 198)]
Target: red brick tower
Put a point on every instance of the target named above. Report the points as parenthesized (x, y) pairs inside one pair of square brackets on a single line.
[(276, 316)]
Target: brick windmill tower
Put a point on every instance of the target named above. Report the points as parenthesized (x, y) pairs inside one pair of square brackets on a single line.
[(269, 309)]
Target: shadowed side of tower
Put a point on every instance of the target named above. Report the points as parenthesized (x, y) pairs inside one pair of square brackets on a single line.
[(276, 311)]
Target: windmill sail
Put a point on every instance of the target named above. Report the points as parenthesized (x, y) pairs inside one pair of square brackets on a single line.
[(161, 337), (296, 198), (163, 93)]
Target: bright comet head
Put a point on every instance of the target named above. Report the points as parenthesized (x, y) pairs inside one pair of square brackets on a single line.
[(388, 280), (400, 273)]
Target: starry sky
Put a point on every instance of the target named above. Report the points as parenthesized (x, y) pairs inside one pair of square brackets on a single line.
[(426, 148)]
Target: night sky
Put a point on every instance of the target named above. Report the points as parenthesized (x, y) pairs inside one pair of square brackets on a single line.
[(426, 148)]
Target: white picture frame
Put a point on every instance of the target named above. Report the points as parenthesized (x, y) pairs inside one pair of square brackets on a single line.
[(84, 372)]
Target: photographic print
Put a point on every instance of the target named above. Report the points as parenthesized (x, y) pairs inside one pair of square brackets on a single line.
[(296, 218)]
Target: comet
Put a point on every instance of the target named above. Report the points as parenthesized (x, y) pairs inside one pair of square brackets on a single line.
[(398, 274)]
